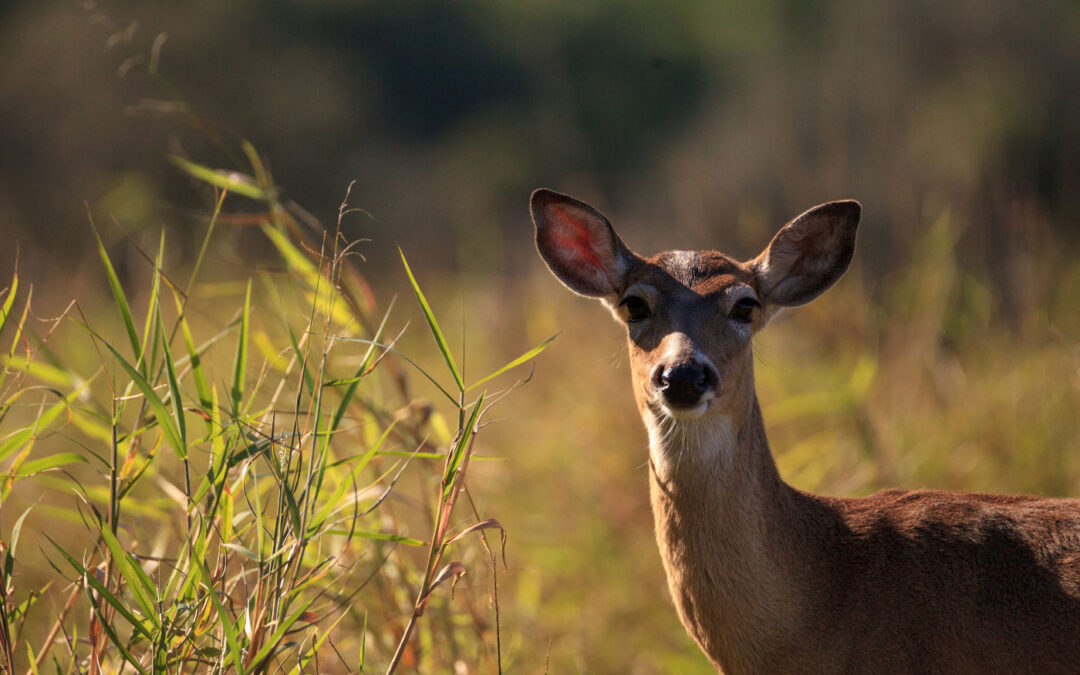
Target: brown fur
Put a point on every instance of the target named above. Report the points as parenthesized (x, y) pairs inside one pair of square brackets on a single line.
[(769, 579)]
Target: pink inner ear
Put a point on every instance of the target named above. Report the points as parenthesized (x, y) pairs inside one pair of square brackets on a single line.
[(575, 238)]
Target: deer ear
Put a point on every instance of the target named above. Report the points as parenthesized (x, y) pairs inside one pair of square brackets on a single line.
[(808, 254), (579, 245)]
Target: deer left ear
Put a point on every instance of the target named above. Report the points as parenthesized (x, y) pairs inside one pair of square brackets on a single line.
[(579, 245), (808, 254)]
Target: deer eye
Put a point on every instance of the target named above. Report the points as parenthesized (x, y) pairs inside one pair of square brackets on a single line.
[(743, 311), (636, 308)]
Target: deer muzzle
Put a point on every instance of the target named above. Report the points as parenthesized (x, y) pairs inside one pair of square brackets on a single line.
[(685, 387)]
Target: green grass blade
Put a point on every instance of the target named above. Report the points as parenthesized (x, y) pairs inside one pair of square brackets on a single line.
[(9, 301), (18, 334), (527, 356), (32, 659), (228, 180), (293, 509), (92, 582), (311, 491), (46, 373), (309, 379), (240, 363), (380, 536), (205, 244), (141, 587), (346, 398), (174, 385), (401, 355), (333, 502), (294, 257), (363, 643), (161, 413), (314, 649), (115, 639), (258, 167), (9, 554), (225, 620), (248, 451), (26, 434), (50, 462), (283, 627), (118, 292), (153, 316), (16, 529), (433, 325), (457, 457), (202, 387)]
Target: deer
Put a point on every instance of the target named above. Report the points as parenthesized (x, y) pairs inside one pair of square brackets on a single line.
[(767, 578)]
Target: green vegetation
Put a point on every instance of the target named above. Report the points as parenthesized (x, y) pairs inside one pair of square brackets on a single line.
[(266, 539)]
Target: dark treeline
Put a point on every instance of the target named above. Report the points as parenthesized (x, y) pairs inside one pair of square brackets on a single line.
[(718, 120)]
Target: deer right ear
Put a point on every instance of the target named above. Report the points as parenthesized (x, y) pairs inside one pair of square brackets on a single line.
[(579, 245), (808, 254)]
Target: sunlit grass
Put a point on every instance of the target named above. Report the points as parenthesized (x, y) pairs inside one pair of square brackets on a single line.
[(219, 509)]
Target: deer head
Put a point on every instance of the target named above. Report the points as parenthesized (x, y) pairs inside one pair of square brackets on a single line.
[(690, 316)]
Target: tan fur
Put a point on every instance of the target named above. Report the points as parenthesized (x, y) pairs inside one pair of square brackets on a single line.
[(769, 579)]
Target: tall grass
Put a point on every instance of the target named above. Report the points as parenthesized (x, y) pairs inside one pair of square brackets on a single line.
[(227, 497), (233, 473)]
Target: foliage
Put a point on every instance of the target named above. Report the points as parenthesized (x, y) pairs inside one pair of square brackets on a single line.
[(276, 524)]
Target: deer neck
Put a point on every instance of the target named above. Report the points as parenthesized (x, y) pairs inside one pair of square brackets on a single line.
[(721, 514)]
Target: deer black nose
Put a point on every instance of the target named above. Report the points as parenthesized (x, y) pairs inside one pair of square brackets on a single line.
[(683, 385)]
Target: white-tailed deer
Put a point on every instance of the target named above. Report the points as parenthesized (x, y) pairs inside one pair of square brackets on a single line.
[(769, 579)]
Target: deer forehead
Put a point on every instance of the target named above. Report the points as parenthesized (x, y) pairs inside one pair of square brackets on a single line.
[(690, 293), (704, 273)]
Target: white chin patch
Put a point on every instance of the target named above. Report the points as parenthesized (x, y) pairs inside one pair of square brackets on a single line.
[(685, 413)]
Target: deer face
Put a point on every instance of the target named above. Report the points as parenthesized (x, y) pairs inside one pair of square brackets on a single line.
[(690, 315)]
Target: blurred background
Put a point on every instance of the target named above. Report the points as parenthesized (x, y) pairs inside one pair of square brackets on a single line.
[(948, 357)]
